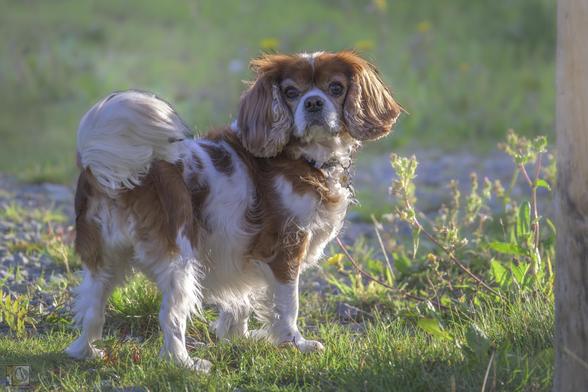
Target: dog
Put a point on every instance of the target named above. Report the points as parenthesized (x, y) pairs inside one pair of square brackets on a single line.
[(231, 218)]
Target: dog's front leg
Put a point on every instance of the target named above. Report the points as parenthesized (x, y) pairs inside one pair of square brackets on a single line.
[(284, 329)]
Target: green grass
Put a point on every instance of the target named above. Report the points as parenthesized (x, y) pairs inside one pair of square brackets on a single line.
[(466, 71), (16, 213), (392, 354)]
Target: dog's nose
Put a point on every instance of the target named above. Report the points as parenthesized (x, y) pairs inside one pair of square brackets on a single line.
[(314, 104)]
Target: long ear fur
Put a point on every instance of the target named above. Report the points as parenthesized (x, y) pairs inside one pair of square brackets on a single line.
[(264, 120), (369, 110)]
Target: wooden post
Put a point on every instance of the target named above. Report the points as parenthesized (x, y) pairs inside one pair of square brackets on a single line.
[(571, 282)]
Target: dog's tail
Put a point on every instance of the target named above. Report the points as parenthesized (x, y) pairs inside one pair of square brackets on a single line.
[(121, 135)]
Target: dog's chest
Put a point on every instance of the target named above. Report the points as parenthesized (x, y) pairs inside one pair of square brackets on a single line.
[(318, 209), (320, 203)]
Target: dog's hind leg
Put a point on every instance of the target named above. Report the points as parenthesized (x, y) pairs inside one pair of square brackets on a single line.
[(91, 296), (232, 323), (177, 276)]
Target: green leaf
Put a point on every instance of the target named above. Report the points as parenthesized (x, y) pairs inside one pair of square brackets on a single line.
[(524, 220), (499, 273), (519, 272), (541, 183), (433, 327), (551, 226), (477, 341), (506, 248), (402, 263), (345, 289), (389, 276)]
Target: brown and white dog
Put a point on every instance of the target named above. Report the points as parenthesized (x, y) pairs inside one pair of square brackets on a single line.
[(231, 218)]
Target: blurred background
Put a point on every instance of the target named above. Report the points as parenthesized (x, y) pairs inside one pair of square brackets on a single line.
[(465, 70)]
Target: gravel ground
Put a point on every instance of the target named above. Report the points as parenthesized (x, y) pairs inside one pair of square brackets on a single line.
[(434, 172), (25, 267)]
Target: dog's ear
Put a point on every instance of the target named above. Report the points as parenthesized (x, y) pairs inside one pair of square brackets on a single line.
[(264, 120), (369, 110)]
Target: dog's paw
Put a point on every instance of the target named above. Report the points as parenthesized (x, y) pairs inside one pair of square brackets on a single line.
[(303, 345), (258, 334), (309, 346), (81, 349), (184, 360)]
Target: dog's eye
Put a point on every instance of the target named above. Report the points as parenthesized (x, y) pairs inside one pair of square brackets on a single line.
[(291, 92), (336, 89)]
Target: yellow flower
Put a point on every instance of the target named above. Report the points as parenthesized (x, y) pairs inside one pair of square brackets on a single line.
[(336, 259), (364, 44), (424, 26), (381, 5), (269, 43)]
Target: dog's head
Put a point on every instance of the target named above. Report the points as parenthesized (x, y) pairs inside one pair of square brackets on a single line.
[(306, 96)]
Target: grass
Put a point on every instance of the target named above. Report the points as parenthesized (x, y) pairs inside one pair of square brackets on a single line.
[(466, 71), (16, 213), (392, 354)]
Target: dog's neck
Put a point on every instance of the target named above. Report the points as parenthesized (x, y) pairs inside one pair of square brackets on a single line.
[(333, 157), (325, 153)]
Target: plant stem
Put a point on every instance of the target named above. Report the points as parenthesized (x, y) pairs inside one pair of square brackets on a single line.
[(376, 223), (383, 284), (488, 371), (535, 222), (455, 260), (416, 224)]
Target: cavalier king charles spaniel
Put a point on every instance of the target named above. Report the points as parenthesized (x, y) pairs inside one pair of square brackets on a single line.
[(231, 218)]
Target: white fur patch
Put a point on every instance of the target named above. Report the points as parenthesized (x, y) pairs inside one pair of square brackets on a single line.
[(330, 114), (311, 57), (227, 236), (302, 207), (122, 134)]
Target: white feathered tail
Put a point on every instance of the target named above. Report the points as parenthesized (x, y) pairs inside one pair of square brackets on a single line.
[(122, 134)]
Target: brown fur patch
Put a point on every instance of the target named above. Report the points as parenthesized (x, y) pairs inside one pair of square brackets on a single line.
[(221, 158), (161, 206), (280, 66), (292, 249), (279, 241), (88, 242), (199, 191), (197, 161), (370, 111)]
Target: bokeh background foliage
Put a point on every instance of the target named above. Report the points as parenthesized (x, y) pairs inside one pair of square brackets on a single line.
[(465, 70)]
